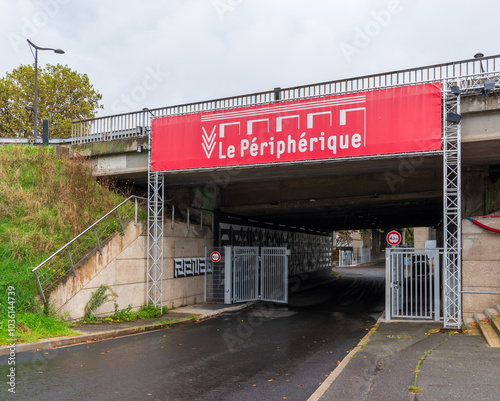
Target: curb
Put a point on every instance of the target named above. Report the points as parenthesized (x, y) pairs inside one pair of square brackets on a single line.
[(106, 335), (321, 390)]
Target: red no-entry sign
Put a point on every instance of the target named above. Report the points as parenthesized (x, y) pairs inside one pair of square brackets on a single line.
[(215, 257), (394, 238)]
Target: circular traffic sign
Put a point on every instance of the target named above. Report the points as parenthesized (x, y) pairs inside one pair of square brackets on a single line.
[(215, 256), (393, 238)]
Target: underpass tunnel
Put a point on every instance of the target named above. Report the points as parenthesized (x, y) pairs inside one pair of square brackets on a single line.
[(378, 194), (373, 196)]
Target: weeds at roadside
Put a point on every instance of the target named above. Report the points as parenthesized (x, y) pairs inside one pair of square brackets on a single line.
[(126, 315), (416, 389), (181, 319)]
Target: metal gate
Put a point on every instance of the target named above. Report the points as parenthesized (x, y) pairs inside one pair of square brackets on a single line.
[(274, 275), (243, 274), (345, 258), (413, 283)]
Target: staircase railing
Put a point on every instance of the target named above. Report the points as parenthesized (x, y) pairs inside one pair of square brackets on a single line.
[(62, 262)]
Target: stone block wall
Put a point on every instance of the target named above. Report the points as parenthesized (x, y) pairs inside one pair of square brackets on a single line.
[(123, 267), (183, 242), (480, 265)]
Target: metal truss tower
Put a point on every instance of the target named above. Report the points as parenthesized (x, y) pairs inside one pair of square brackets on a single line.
[(452, 202), (155, 236)]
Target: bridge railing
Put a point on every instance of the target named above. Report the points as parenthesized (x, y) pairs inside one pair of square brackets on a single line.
[(137, 123)]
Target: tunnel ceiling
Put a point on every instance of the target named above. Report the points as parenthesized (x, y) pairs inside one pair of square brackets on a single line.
[(356, 194), (369, 214)]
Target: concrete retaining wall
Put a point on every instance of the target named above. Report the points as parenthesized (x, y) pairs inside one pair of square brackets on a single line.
[(123, 267), (480, 265)]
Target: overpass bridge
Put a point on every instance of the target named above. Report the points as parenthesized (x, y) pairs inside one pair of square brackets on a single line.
[(435, 187), (347, 193)]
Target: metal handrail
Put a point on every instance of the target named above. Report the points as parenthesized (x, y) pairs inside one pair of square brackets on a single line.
[(136, 123), (91, 227), (481, 292)]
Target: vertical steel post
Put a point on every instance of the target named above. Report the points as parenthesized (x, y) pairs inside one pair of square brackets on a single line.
[(228, 275), (97, 240), (40, 287), (205, 277), (135, 211), (120, 222), (388, 284), (71, 262)]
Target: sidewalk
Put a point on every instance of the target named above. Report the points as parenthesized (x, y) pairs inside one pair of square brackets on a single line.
[(103, 331), (455, 367)]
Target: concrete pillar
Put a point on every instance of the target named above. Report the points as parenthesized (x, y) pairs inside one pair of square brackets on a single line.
[(421, 234), (376, 242)]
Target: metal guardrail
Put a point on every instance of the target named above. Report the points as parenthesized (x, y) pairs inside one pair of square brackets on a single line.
[(185, 215), (63, 261), (137, 123), (38, 141)]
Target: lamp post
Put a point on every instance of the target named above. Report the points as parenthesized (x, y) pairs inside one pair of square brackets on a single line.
[(58, 51), (480, 56)]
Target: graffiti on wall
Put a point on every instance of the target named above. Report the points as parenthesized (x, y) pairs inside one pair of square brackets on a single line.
[(308, 252)]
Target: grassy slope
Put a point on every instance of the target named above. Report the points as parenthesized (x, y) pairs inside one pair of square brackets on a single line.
[(44, 202)]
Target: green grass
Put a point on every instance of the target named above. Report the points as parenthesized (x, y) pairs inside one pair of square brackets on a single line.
[(45, 201), (30, 327)]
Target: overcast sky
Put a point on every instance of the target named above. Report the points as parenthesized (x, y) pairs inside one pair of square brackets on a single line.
[(154, 53)]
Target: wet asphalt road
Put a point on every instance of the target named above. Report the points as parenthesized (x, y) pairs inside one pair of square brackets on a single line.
[(268, 352)]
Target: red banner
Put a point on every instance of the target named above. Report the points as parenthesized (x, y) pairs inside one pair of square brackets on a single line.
[(380, 122)]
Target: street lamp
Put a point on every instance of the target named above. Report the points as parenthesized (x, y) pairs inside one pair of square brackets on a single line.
[(58, 51)]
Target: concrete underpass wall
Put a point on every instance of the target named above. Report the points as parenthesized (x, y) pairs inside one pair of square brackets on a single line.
[(480, 265), (184, 242), (123, 267), (309, 253)]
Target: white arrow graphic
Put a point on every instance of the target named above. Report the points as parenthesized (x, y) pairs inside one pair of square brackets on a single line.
[(208, 141)]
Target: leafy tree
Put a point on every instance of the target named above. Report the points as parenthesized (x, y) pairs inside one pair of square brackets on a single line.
[(63, 95), (344, 238), (410, 236)]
